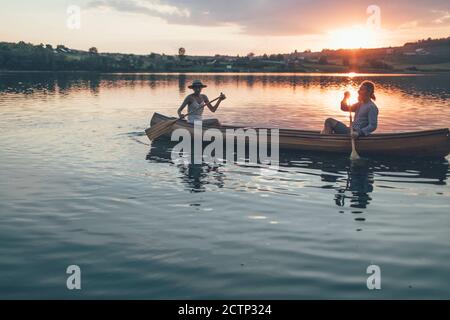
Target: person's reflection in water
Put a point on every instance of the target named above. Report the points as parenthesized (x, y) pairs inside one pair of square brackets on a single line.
[(182, 84), (94, 84), (354, 188), (195, 176), (360, 183)]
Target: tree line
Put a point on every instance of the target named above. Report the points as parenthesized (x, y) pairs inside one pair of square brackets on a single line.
[(26, 56)]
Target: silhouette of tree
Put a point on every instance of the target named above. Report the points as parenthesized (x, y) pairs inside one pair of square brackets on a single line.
[(26, 56), (181, 53)]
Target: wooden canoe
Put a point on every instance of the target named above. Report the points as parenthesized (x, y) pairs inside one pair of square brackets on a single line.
[(429, 143)]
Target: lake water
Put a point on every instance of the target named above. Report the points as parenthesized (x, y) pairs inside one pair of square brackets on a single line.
[(80, 184)]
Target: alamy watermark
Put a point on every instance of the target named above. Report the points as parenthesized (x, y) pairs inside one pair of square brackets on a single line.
[(374, 280), (73, 282), (374, 20), (243, 146), (74, 17)]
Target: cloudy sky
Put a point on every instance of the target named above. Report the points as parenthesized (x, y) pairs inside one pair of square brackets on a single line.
[(225, 26)]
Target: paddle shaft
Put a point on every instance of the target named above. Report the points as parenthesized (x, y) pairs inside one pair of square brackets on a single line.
[(162, 128), (351, 122), (354, 155), (202, 106)]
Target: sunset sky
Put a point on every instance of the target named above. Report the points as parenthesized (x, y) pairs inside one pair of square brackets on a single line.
[(222, 27)]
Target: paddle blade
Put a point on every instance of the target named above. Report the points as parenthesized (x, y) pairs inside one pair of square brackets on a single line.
[(160, 129), (354, 155)]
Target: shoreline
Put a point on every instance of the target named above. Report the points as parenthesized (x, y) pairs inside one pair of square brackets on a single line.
[(352, 73)]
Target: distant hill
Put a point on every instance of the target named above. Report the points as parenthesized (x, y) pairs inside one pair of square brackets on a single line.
[(423, 55)]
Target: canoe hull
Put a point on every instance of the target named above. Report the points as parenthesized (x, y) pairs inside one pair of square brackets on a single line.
[(430, 143)]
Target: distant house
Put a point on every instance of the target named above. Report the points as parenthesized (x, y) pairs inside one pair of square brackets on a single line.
[(295, 56), (422, 52), (417, 52), (63, 49)]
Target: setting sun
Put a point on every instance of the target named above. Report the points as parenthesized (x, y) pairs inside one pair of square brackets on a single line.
[(353, 38)]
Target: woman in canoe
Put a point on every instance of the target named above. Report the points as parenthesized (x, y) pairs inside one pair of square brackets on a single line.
[(195, 103), (366, 113)]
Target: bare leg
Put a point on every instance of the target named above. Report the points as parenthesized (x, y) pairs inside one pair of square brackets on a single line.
[(328, 126)]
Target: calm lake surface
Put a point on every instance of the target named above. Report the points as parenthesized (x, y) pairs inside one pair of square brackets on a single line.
[(80, 184)]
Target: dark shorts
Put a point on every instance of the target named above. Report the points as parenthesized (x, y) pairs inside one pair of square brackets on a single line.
[(341, 128)]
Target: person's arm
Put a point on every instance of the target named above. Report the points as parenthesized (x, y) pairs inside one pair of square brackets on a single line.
[(183, 105), (349, 107), (210, 106), (373, 122), (344, 104)]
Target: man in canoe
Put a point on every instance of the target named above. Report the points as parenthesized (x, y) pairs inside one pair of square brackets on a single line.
[(196, 102), (366, 113)]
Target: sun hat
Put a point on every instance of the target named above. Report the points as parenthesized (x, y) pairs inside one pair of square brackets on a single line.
[(197, 83)]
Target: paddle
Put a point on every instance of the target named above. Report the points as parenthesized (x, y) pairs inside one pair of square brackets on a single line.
[(164, 127), (354, 155)]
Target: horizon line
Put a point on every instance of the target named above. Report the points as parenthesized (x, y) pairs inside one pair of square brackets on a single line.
[(234, 55)]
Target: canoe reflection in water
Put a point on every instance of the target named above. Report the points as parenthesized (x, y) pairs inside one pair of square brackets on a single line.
[(353, 183)]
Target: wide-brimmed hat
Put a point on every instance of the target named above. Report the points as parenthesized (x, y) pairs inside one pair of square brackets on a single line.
[(197, 83)]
